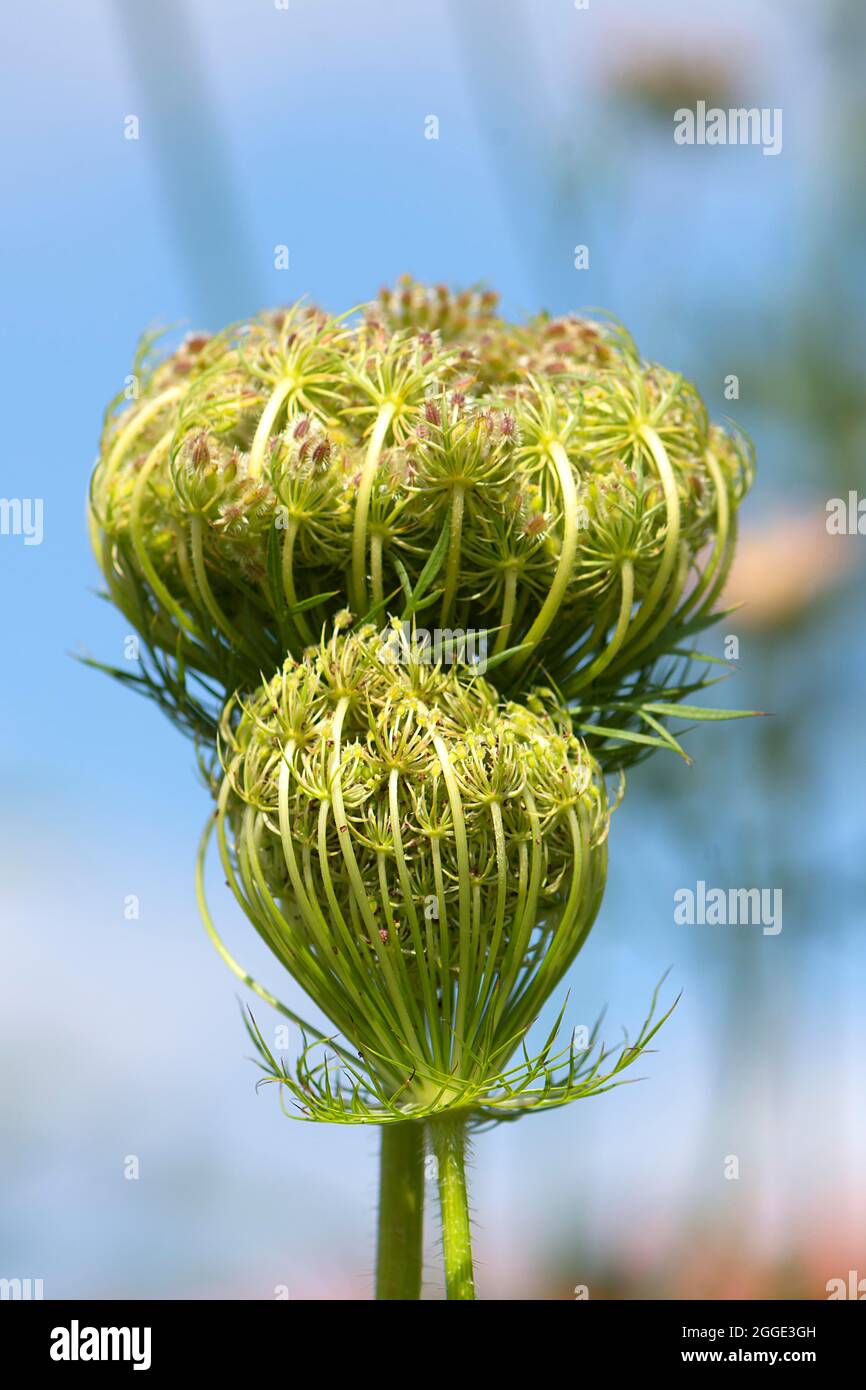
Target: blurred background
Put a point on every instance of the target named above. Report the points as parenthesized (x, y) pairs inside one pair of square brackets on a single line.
[(302, 124)]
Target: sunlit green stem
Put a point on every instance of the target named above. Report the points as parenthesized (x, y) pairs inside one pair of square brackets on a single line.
[(135, 530), (401, 998), (128, 434), (185, 566), (509, 595), (452, 565), (565, 567), (606, 656), (716, 572), (668, 480), (466, 984), (666, 612), (288, 557), (281, 391), (226, 627), (376, 584), (401, 1211), (448, 1132), (228, 958), (362, 506)]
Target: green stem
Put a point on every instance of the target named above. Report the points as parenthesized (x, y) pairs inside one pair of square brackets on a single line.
[(568, 550), (605, 657), (135, 530), (716, 571), (258, 449), (401, 1211), (128, 434), (448, 1131), (452, 567), (298, 620), (668, 480), (362, 506), (227, 628), (464, 883), (376, 587), (509, 596)]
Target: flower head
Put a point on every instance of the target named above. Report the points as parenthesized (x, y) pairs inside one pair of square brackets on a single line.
[(538, 481), (424, 857)]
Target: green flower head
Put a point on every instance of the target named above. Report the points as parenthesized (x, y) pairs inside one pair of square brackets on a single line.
[(579, 504), (424, 857)]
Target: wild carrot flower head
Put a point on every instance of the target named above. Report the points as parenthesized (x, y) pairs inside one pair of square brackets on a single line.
[(424, 857), (539, 482)]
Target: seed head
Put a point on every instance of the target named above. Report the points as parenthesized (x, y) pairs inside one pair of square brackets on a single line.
[(443, 851), (572, 499)]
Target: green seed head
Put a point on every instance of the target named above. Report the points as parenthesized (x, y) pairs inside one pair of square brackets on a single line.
[(424, 857), (573, 501)]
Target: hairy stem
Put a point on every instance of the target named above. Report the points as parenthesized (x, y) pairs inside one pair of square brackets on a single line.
[(448, 1132), (401, 1211)]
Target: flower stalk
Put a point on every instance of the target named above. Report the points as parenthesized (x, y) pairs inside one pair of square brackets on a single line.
[(362, 508), (401, 1211), (568, 549), (448, 1134)]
